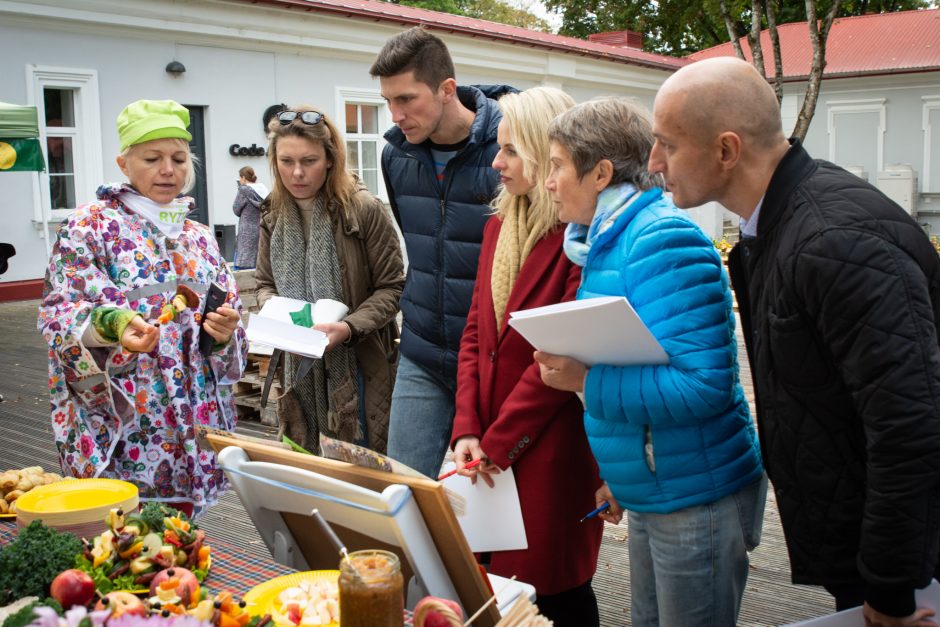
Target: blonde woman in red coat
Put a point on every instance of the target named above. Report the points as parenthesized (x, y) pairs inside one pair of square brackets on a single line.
[(505, 414)]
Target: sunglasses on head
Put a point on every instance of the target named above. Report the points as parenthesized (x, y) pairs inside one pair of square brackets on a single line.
[(307, 117)]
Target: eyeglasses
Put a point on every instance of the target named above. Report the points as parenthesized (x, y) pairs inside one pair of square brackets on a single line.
[(307, 117)]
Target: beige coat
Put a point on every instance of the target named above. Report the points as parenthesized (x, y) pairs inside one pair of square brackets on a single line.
[(369, 253)]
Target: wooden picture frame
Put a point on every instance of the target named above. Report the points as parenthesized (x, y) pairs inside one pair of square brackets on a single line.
[(468, 580)]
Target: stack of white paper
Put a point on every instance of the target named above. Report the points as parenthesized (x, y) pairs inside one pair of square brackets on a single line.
[(603, 330), (483, 505), (273, 326)]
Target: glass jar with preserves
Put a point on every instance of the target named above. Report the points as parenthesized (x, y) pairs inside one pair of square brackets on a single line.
[(371, 590)]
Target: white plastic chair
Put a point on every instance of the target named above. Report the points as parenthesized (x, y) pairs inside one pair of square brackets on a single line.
[(390, 516)]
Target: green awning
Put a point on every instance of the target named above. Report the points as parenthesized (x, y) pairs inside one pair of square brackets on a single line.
[(18, 122), (20, 155)]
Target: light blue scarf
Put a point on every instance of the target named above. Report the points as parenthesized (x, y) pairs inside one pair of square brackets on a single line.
[(611, 202)]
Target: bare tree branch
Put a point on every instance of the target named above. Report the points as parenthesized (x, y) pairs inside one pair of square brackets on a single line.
[(753, 38), (732, 31), (775, 45), (818, 40)]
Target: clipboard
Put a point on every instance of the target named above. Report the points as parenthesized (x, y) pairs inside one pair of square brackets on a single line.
[(605, 330)]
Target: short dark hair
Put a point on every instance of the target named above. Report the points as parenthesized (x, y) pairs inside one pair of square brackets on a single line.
[(415, 50), (269, 113)]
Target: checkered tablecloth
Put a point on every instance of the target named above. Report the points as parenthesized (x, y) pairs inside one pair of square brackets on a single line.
[(230, 570)]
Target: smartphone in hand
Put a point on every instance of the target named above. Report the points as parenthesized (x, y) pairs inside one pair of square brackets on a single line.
[(215, 298)]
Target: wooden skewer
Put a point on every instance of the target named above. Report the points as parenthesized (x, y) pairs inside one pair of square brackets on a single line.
[(489, 602)]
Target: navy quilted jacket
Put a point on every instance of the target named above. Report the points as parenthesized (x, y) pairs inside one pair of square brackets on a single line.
[(839, 296), (442, 223)]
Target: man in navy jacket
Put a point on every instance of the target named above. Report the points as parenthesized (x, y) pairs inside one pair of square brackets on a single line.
[(440, 183)]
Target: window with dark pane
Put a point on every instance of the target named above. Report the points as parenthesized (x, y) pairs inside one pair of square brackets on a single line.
[(59, 117)]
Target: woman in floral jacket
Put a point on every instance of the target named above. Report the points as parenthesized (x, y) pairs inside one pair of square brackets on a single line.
[(121, 312)]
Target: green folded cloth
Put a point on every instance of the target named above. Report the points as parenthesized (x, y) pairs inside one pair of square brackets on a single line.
[(293, 445), (111, 322), (304, 317)]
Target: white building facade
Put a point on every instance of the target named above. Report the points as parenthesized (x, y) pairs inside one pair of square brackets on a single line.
[(80, 63)]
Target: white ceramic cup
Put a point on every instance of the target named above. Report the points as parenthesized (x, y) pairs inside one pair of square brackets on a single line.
[(329, 310)]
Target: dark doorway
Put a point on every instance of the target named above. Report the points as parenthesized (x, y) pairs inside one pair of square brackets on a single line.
[(200, 193)]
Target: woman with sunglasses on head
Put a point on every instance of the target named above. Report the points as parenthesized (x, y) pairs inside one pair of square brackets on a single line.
[(323, 235)]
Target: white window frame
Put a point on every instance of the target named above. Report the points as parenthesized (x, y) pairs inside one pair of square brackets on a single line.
[(871, 105), (353, 95), (931, 103), (86, 141)]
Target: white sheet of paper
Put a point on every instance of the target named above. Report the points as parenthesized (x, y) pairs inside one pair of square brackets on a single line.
[(603, 330), (274, 327), (483, 505), (928, 597)]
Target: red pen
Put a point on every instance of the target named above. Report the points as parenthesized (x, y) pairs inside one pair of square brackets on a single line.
[(451, 473)]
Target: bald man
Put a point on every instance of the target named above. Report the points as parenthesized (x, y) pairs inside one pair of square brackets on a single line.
[(839, 295)]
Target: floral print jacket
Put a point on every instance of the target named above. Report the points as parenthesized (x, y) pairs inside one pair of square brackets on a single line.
[(127, 415)]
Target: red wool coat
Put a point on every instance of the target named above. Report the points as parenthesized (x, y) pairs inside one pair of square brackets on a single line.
[(522, 423)]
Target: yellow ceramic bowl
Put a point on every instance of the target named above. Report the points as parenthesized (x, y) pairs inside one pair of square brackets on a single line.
[(76, 505)]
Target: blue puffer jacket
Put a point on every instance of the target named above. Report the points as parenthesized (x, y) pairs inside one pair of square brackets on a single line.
[(668, 437), (442, 223)]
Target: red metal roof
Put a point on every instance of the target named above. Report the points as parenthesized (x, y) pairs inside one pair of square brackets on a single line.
[(445, 22), (885, 43)]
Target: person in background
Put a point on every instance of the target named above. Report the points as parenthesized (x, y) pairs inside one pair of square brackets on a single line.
[(127, 381), (439, 180), (323, 235), (247, 207), (675, 443), (505, 415), (839, 295)]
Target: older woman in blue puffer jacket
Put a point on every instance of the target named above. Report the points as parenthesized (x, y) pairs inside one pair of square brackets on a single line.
[(675, 443)]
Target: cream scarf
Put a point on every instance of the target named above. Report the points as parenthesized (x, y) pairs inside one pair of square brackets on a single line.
[(516, 240), (167, 218)]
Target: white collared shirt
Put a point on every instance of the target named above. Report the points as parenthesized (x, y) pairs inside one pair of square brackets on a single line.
[(749, 226)]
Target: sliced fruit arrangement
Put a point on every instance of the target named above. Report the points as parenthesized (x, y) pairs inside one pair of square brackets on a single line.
[(137, 547)]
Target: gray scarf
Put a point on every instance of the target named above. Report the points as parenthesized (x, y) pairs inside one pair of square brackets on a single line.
[(310, 271)]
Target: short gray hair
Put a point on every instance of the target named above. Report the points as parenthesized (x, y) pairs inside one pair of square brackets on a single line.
[(616, 129)]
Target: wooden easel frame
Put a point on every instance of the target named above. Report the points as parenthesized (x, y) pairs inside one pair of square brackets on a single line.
[(441, 522)]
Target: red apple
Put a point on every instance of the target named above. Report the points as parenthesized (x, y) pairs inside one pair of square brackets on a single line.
[(432, 618), (121, 603), (188, 588), (72, 587)]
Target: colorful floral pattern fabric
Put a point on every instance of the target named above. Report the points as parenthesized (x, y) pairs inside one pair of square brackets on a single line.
[(127, 415)]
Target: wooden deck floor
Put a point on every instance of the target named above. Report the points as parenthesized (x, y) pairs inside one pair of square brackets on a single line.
[(26, 440)]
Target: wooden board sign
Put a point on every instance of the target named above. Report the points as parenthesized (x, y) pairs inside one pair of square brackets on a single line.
[(470, 583)]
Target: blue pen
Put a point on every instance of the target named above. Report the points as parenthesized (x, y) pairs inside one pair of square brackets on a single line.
[(595, 512)]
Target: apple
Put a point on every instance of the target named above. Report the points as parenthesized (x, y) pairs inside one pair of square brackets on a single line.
[(187, 589), (72, 587), (121, 603), (433, 618)]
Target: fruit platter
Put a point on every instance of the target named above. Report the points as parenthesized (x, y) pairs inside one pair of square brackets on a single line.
[(138, 546), (146, 564), (307, 598)]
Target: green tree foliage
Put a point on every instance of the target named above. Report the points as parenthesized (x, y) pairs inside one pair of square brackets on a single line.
[(492, 10), (680, 27)]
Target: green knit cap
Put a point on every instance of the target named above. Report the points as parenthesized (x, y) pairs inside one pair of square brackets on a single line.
[(146, 120)]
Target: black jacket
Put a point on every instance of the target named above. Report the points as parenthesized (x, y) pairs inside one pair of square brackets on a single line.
[(442, 225), (840, 296)]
